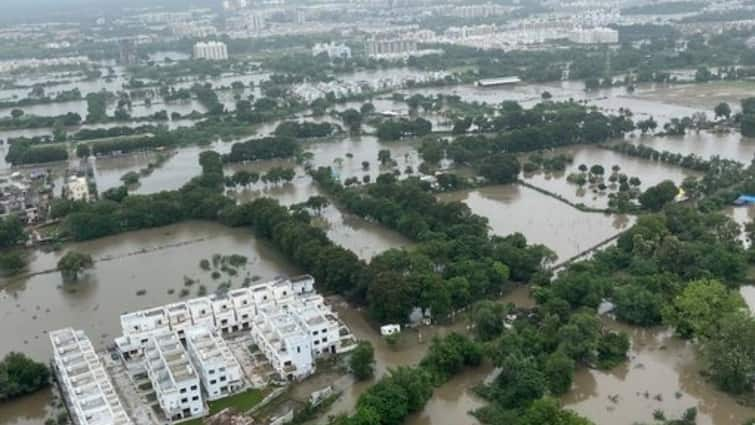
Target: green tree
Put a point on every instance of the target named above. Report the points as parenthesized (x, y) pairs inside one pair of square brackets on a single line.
[(73, 263), (12, 262), (384, 156), (697, 310), (11, 231), (612, 349), (580, 336), (637, 305), (488, 320), (730, 353), (501, 168), (352, 119), (20, 375), (655, 197), (362, 361), (546, 411), (722, 110), (17, 113), (559, 371)]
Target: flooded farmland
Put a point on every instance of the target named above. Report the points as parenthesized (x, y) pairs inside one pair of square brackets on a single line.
[(542, 219), (649, 172)]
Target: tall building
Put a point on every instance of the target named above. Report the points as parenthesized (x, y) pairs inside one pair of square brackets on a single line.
[(173, 377), (127, 52), (85, 385), (210, 50), (219, 371)]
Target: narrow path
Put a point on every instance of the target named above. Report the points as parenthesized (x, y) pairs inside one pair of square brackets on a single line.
[(586, 252)]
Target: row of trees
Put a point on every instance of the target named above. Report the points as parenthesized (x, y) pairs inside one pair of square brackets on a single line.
[(545, 126), (748, 117), (396, 129), (264, 148), (26, 152), (306, 129)]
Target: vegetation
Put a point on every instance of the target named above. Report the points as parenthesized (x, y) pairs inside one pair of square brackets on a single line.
[(397, 129), (11, 231), (455, 262), (265, 148), (24, 152), (406, 390), (362, 361), (20, 375), (748, 117), (305, 130), (73, 263)]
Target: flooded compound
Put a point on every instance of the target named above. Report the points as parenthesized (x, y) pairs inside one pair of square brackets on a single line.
[(663, 373), (542, 219), (650, 173), (156, 261)]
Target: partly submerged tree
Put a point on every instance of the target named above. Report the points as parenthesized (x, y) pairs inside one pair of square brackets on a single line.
[(74, 263)]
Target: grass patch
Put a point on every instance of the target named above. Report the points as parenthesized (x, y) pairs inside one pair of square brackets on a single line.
[(241, 402)]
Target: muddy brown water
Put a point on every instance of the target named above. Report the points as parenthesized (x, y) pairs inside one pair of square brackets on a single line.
[(663, 372), (649, 172), (542, 219), (704, 144)]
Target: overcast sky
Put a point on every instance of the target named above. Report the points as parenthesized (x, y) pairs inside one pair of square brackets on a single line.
[(31, 10)]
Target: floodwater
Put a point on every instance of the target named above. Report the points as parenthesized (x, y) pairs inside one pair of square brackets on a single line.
[(649, 172), (663, 373), (704, 144), (542, 219)]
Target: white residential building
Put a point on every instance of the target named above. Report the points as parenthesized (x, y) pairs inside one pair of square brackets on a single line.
[(219, 371), (77, 189), (285, 343), (332, 49), (173, 377), (210, 50), (280, 314), (86, 387), (598, 35)]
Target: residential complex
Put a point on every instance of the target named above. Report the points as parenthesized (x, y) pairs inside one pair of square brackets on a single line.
[(85, 385), (390, 47), (332, 49), (288, 320), (210, 50), (597, 35), (173, 377)]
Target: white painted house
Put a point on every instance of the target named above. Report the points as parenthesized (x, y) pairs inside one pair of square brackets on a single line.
[(173, 377), (219, 371), (85, 385)]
